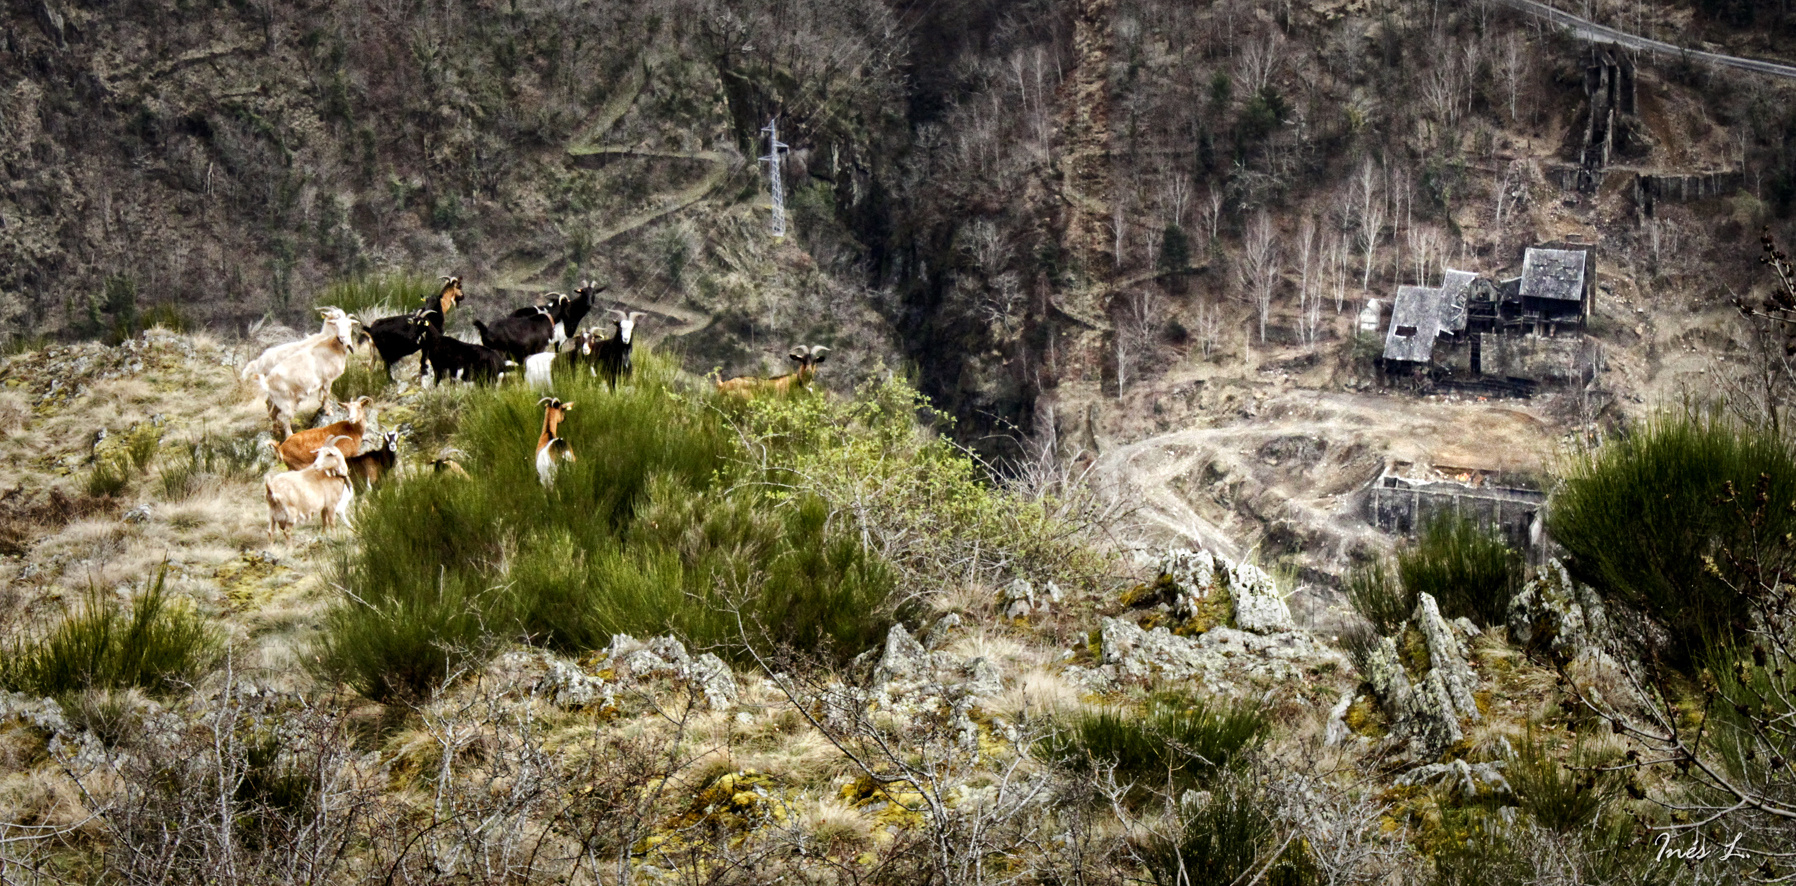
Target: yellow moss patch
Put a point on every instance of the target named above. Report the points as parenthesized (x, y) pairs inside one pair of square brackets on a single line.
[(1365, 717), (737, 801), (241, 579), (898, 803)]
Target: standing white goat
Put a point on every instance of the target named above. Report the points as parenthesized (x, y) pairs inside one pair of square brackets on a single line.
[(307, 372), (321, 490), (276, 353)]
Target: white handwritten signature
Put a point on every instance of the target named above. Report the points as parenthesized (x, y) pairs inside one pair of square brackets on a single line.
[(1699, 850)]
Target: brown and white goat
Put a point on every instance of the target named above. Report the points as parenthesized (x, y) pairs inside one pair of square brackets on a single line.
[(551, 450), (301, 449), (748, 386), (370, 466), (306, 373), (321, 490)]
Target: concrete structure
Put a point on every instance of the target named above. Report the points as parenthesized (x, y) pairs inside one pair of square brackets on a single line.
[(1404, 499)]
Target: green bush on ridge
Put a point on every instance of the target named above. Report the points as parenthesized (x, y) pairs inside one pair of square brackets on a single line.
[(1174, 737), (1655, 519), (1469, 571), (657, 526)]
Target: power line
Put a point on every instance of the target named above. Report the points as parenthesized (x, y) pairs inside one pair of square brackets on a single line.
[(774, 149)]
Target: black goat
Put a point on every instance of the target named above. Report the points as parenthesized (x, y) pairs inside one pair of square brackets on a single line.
[(398, 337), (454, 358), (613, 354), (519, 336), (402, 335)]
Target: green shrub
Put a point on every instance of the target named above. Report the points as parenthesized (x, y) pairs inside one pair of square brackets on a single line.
[(1226, 839), (1470, 572), (157, 647), (1173, 738), (363, 377), (1376, 594), (919, 500), (658, 526), (1648, 521), (1558, 797), (380, 294), (141, 444), (108, 478), (212, 457)]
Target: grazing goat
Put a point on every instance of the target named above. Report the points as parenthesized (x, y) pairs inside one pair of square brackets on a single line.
[(454, 358), (613, 354), (550, 448), (520, 335), (370, 466), (306, 373), (276, 353), (537, 370), (748, 386), (321, 490), (301, 449)]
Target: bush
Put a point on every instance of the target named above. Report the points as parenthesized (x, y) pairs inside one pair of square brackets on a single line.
[(1225, 839), (1557, 797), (156, 647), (1470, 572), (212, 457), (658, 526), (108, 478), (1174, 738), (1376, 594), (379, 295), (1650, 519), (917, 499)]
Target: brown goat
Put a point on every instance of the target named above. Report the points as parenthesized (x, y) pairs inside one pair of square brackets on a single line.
[(550, 448), (299, 450), (748, 386)]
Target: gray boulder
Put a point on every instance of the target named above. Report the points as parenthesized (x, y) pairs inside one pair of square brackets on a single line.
[(1557, 616)]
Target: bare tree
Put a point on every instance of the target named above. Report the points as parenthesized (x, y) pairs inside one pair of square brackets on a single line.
[(1309, 301), (1140, 317), (1371, 220), (1259, 60), (1207, 324), (1259, 269), (1513, 66)]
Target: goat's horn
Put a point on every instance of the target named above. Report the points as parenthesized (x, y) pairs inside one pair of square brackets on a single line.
[(547, 400), (799, 352)]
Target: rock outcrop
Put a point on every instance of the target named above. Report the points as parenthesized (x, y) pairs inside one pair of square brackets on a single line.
[(1427, 687), (1556, 616)]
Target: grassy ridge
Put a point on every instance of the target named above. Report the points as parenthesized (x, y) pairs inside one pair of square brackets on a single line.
[(659, 525)]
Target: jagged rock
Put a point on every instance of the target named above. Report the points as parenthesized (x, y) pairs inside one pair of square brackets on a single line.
[(44, 713), (1259, 607), (1337, 729), (1224, 660), (1556, 615), (567, 685), (904, 659), (939, 632), (137, 514), (1018, 599), (1428, 707), (1448, 657), (667, 657), (1468, 779)]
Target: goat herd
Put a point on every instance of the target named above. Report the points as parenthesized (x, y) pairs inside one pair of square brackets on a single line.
[(326, 463)]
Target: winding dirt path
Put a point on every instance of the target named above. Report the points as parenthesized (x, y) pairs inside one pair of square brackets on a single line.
[(1353, 434), (522, 273)]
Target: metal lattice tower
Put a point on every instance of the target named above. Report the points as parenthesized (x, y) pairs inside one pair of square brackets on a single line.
[(774, 147)]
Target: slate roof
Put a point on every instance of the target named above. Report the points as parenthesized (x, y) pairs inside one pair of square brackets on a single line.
[(1415, 322), (1553, 274), (1455, 291)]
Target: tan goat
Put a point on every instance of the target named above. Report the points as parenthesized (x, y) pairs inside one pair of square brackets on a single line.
[(276, 353), (301, 449), (748, 386), (321, 490), (550, 448)]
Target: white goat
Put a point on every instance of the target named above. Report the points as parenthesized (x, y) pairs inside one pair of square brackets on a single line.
[(275, 354), (307, 372), (321, 490), (536, 369)]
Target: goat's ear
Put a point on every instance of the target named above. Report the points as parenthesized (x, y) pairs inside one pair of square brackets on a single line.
[(817, 352), (566, 406)]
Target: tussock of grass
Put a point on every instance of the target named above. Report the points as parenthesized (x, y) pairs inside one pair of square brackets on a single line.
[(1644, 519), (1226, 838), (1174, 739), (157, 647), (1558, 797), (1376, 594), (379, 295), (658, 526), (1469, 571)]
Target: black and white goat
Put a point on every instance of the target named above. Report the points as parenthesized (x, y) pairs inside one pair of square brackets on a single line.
[(402, 335), (613, 354)]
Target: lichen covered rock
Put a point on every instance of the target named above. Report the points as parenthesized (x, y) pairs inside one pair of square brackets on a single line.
[(1556, 616), (1430, 697)]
